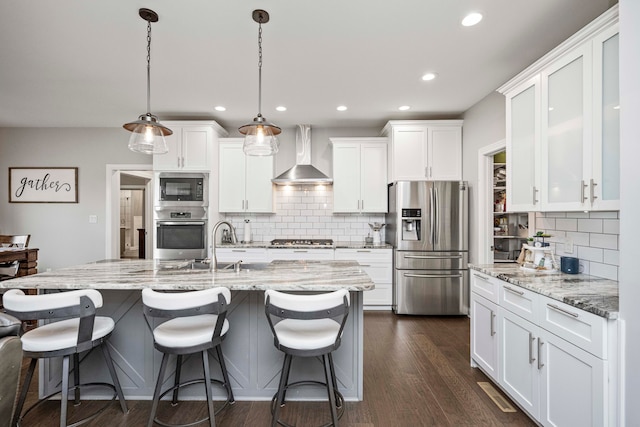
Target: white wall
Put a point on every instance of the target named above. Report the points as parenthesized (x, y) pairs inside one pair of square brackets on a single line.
[(630, 202), (62, 231), (484, 124)]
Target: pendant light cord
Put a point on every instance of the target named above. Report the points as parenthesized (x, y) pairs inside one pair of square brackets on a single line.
[(259, 69), (148, 68)]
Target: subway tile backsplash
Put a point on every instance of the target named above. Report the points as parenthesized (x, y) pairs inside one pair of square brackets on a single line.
[(305, 212), (590, 236)]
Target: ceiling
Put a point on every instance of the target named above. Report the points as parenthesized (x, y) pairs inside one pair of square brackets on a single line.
[(79, 63)]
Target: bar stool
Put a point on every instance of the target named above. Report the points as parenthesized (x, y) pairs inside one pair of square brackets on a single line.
[(195, 322), (307, 326), (81, 331)]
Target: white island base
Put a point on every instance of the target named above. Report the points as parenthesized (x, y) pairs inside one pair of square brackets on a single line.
[(254, 364)]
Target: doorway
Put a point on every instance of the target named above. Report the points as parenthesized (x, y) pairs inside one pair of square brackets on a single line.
[(121, 214)]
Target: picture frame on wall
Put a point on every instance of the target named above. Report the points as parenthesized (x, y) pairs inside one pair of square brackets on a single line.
[(43, 185)]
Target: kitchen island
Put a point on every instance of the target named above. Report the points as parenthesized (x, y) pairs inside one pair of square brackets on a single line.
[(253, 362)]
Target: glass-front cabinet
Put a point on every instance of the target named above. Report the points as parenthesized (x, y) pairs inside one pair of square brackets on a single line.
[(563, 127), (604, 192), (523, 156), (565, 138)]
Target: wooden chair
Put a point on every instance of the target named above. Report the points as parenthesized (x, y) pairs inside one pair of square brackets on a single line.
[(15, 241), (9, 270)]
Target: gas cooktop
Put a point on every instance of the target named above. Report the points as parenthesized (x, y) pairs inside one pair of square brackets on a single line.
[(302, 242)]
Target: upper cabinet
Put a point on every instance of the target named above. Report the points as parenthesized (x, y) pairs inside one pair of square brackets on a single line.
[(359, 175), (244, 181), (191, 147), (424, 149), (563, 125)]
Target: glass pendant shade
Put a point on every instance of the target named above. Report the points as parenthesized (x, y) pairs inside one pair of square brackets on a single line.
[(147, 135), (260, 138)]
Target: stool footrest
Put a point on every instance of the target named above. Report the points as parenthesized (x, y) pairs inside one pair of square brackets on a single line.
[(339, 400), (228, 401), (85, 419)]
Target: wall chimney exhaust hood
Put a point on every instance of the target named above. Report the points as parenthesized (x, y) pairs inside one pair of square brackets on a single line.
[(303, 172)]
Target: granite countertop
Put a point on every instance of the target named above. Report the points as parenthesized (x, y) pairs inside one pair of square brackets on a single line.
[(172, 275), (593, 294), (336, 245)]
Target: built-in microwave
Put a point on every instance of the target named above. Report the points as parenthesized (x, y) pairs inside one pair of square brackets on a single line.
[(185, 189)]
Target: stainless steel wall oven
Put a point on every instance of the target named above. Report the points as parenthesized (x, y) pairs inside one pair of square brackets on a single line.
[(181, 233)]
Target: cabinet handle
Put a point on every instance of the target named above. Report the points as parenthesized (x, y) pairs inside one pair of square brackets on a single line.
[(304, 251), (238, 250), (481, 277), (364, 250), (540, 344), (362, 204), (178, 159), (592, 190), (247, 205), (582, 187), (426, 172), (506, 288), (535, 191), (430, 171), (365, 265), (561, 310), (432, 276), (531, 340), (434, 257), (492, 326)]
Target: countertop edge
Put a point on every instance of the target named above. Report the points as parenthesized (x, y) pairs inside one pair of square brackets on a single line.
[(576, 300)]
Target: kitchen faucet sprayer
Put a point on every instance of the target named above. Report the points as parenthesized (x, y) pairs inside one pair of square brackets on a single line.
[(234, 240)]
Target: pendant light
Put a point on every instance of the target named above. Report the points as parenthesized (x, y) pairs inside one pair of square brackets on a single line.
[(147, 134), (260, 135)]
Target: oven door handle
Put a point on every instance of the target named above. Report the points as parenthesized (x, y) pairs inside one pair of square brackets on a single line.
[(431, 276), (180, 223), (432, 256)]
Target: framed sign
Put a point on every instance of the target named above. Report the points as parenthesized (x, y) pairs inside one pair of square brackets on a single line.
[(43, 185)]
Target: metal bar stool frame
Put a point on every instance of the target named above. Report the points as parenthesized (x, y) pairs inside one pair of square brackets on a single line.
[(275, 314), (218, 308), (85, 311)]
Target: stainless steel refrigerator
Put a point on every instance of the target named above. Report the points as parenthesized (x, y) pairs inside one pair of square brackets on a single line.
[(427, 225)]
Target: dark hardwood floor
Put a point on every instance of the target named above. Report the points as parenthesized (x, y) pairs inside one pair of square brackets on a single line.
[(416, 373)]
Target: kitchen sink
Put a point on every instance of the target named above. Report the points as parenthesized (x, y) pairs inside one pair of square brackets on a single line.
[(202, 265)]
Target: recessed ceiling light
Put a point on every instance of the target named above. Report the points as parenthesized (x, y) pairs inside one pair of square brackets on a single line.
[(342, 108), (404, 108), (429, 76), (472, 19), (220, 108), (281, 108)]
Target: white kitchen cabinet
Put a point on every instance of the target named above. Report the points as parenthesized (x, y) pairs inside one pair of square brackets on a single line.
[(484, 338), (555, 360), (563, 125), (573, 385), (244, 181), (518, 374), (377, 263), (191, 146), (424, 149), (523, 142), (359, 175)]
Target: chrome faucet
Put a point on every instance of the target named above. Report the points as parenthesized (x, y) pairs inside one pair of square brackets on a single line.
[(234, 239)]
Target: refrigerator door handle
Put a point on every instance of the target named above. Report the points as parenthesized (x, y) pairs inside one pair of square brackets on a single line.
[(435, 216), (431, 276), (432, 256), (432, 215)]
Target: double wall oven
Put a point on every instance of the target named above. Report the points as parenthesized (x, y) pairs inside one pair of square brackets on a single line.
[(180, 216)]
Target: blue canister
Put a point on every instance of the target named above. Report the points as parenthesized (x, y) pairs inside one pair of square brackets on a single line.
[(569, 265)]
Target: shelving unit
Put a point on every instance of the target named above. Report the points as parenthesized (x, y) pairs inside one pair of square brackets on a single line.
[(510, 229)]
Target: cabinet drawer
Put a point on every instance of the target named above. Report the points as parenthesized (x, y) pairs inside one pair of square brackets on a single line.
[(300, 254), (586, 330), (519, 301), (484, 285), (379, 273), (365, 256), (245, 255), (380, 296)]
